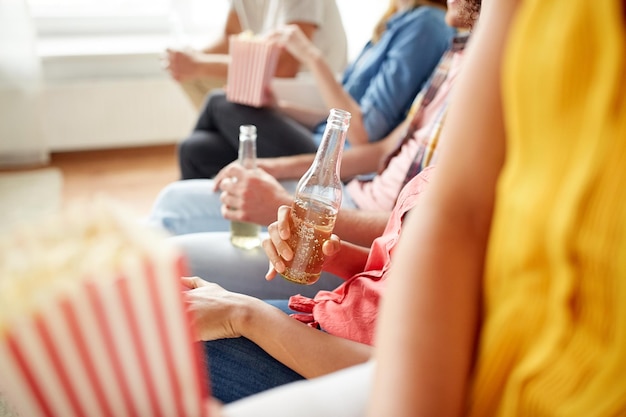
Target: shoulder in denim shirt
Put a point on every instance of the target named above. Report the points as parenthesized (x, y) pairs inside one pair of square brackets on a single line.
[(387, 75)]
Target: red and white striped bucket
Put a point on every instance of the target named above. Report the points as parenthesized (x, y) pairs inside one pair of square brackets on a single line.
[(110, 339)]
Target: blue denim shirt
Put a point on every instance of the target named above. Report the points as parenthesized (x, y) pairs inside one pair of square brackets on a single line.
[(386, 76)]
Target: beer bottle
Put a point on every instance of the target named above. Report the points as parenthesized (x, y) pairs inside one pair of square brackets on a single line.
[(316, 203), (246, 235)]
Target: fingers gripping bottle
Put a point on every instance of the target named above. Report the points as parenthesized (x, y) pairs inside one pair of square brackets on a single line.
[(246, 235), (316, 203)]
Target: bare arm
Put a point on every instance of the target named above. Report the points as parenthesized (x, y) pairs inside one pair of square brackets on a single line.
[(304, 115), (217, 313), (255, 197), (361, 227), (333, 93), (351, 261), (357, 160), (232, 27), (308, 351), (366, 158), (287, 167), (424, 369), (213, 60), (335, 96)]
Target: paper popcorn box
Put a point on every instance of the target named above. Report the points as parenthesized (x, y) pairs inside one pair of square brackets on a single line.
[(252, 66), (92, 321)]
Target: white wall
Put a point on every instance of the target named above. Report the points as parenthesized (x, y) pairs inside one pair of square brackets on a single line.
[(21, 135), (107, 92)]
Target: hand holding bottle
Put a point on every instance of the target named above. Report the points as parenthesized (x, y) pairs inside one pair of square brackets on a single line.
[(249, 196), (277, 247), (316, 203)]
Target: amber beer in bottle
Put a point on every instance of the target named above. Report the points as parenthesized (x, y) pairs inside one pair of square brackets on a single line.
[(246, 235), (316, 203)]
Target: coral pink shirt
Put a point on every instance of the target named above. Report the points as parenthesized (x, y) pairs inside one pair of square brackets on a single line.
[(350, 311)]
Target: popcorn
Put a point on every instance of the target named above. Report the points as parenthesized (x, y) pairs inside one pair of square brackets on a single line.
[(92, 320), (252, 66)]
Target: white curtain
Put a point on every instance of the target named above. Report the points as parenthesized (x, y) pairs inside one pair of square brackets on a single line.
[(21, 134)]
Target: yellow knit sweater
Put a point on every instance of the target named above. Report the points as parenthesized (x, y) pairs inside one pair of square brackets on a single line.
[(554, 339)]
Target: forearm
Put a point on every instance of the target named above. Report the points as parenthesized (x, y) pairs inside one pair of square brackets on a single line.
[(304, 115), (360, 227), (364, 159), (287, 167), (349, 262), (212, 65), (218, 46), (444, 242), (442, 302), (335, 96), (308, 351), (214, 57)]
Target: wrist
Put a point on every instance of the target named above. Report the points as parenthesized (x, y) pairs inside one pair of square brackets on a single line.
[(278, 170), (314, 57), (250, 317), (293, 167)]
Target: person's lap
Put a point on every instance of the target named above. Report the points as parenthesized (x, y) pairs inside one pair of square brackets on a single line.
[(238, 368), (212, 257), (190, 210), (191, 206)]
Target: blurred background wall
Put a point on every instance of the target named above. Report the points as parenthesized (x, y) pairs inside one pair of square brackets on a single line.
[(22, 139), (96, 69)]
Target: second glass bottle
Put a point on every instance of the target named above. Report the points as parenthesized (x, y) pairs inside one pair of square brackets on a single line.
[(246, 235)]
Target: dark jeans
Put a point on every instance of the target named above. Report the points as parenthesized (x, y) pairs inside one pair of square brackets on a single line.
[(239, 368), (214, 142)]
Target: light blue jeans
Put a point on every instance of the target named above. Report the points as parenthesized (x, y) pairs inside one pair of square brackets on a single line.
[(191, 206), (190, 210)]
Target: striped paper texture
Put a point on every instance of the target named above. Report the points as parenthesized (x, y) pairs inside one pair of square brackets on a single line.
[(114, 343), (252, 66)]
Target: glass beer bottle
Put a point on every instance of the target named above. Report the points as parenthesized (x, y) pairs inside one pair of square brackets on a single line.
[(246, 235), (316, 203)]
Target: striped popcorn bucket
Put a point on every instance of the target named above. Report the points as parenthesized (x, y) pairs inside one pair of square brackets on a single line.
[(252, 66), (93, 323)]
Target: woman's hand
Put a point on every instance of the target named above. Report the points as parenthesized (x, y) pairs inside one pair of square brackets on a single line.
[(215, 312), (295, 42), (182, 65), (279, 252)]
